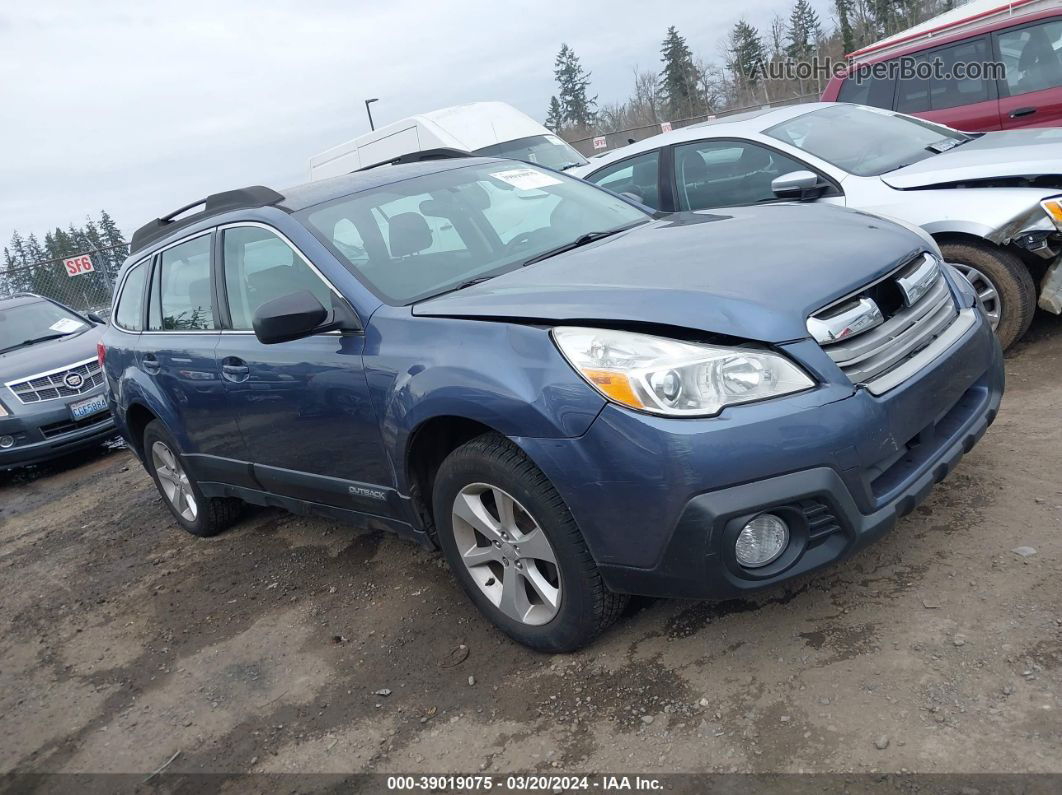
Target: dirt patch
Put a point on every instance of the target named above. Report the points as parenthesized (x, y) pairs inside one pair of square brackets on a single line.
[(300, 645)]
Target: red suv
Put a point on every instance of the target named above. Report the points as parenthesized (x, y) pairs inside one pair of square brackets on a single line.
[(1029, 45)]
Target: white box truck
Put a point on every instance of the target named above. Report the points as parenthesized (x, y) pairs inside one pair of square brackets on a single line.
[(492, 129)]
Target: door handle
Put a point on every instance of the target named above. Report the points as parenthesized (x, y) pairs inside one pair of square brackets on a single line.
[(1017, 114), (151, 364), (233, 369)]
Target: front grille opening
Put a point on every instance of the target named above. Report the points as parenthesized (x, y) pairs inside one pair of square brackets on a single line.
[(53, 386), (54, 429), (887, 295), (867, 351)]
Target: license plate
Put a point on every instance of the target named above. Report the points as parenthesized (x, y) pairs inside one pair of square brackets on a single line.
[(86, 408)]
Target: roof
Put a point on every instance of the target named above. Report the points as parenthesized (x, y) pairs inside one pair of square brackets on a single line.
[(290, 200), (310, 193), (738, 125), (966, 17)]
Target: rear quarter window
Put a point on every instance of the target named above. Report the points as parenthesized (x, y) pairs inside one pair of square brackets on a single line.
[(868, 90), (129, 314)]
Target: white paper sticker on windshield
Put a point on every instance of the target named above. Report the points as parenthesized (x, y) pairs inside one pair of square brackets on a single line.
[(526, 178), (65, 325)]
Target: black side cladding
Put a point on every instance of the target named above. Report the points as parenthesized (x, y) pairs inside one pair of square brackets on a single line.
[(239, 199)]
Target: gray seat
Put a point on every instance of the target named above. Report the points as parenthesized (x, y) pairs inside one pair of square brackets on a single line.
[(408, 234)]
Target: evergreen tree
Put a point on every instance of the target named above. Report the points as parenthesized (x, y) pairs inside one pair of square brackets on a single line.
[(679, 77), (30, 265), (112, 236), (804, 31), (577, 109), (555, 116), (745, 55), (844, 24)]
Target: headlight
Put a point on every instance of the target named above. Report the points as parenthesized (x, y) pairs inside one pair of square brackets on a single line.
[(676, 378), (1053, 208)]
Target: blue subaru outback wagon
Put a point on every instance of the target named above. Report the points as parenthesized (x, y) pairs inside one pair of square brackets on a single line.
[(576, 400)]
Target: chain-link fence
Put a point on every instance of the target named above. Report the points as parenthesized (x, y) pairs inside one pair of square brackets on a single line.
[(618, 138), (75, 286)]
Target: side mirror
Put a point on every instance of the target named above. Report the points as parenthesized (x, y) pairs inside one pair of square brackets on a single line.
[(95, 318), (802, 185), (290, 317)]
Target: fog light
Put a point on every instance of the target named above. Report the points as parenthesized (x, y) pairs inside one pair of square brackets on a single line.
[(7, 441), (761, 541)]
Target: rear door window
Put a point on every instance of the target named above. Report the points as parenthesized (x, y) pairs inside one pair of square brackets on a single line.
[(954, 92), (129, 314), (1033, 57), (183, 288)]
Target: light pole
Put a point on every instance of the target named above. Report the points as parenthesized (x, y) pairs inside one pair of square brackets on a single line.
[(368, 110)]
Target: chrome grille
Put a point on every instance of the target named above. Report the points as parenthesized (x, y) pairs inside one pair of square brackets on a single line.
[(868, 344), (54, 385)]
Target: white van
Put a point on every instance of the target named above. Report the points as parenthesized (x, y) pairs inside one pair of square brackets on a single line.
[(483, 128)]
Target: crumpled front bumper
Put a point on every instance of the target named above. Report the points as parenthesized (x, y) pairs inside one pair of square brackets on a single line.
[(1051, 289), (660, 500)]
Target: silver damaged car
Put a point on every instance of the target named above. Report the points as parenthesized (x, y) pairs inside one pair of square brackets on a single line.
[(991, 201)]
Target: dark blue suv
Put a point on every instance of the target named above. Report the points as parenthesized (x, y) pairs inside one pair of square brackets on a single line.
[(574, 399)]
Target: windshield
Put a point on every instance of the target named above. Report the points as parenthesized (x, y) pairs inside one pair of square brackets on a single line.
[(25, 324), (543, 150), (865, 141), (426, 235)]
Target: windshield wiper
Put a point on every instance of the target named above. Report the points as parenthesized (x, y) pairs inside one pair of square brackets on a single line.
[(580, 241), (566, 166), (24, 343), (461, 286)]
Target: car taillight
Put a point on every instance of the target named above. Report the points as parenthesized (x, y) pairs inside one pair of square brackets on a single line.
[(101, 352)]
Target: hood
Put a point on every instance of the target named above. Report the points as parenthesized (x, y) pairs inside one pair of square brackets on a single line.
[(50, 355), (752, 272), (1014, 153)]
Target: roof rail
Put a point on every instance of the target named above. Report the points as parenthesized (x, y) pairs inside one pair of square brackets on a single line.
[(239, 199), (442, 153)]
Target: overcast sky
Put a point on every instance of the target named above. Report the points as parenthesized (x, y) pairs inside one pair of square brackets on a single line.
[(139, 108)]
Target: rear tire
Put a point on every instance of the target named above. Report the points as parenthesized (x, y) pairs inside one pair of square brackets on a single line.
[(200, 515), (1004, 273), (561, 602)]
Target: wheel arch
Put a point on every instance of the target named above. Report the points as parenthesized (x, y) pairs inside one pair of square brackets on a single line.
[(427, 446), (137, 417)]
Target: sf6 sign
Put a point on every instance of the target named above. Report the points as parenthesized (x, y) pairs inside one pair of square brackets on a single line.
[(75, 266)]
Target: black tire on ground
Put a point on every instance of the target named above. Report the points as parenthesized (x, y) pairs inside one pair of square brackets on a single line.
[(587, 606), (214, 514), (1013, 282)]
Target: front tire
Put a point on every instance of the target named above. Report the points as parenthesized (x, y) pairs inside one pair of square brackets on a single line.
[(1003, 282), (516, 550), (198, 514)]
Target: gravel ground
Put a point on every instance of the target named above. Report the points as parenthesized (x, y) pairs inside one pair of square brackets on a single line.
[(298, 645)]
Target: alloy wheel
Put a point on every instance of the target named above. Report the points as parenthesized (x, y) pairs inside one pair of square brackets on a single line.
[(985, 289), (507, 554), (174, 481)]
